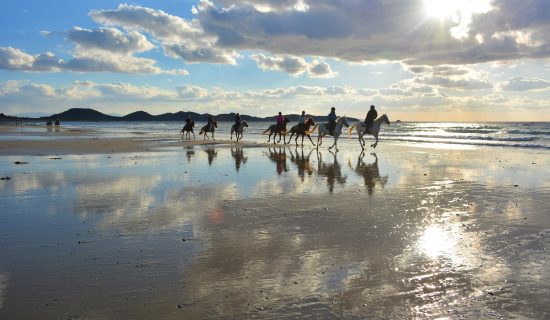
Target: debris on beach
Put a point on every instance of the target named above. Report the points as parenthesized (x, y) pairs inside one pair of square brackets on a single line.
[(56, 158), (5, 178), (20, 162)]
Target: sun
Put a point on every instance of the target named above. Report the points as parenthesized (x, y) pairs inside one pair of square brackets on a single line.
[(440, 8)]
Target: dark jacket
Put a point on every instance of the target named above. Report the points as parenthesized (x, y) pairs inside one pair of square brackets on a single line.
[(371, 115)]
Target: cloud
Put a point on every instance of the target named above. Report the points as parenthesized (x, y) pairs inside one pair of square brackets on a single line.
[(180, 38), (449, 76), (15, 59), (102, 61), (524, 84), (293, 65), (109, 39), (392, 30)]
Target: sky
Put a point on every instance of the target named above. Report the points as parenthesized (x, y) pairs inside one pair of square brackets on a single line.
[(415, 60)]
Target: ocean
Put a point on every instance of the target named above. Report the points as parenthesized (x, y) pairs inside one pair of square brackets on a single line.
[(532, 135)]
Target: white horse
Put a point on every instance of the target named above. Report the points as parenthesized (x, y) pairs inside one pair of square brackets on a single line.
[(323, 131), (238, 131), (374, 130)]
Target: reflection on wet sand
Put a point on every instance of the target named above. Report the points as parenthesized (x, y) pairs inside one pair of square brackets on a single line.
[(278, 155), (189, 153), (238, 155), (135, 238), (369, 172), (301, 160), (212, 154), (332, 171)]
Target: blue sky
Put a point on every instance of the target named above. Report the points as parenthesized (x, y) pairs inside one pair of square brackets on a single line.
[(441, 60)]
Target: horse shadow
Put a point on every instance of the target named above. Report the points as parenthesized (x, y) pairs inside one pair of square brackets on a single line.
[(302, 162), (370, 173), (211, 153), (238, 155), (278, 155), (332, 171)]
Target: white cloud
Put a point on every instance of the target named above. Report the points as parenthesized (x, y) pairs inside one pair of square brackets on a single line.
[(524, 84), (101, 61), (293, 65), (180, 38), (109, 39)]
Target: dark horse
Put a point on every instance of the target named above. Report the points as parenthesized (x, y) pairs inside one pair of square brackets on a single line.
[(208, 128), (273, 129), (302, 130), (187, 130)]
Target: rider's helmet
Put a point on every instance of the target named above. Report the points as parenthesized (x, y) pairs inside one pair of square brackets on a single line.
[(332, 109), (372, 106)]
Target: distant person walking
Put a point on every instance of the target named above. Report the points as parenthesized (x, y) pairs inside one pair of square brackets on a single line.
[(371, 116), (57, 123)]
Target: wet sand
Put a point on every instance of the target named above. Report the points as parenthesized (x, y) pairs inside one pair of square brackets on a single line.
[(256, 231)]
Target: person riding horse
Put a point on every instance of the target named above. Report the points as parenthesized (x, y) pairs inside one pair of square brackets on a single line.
[(237, 121), (210, 122), (302, 119), (280, 121), (371, 116), (331, 121)]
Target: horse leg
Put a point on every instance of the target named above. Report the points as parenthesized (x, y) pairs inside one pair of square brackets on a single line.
[(310, 140), (376, 143), (302, 140)]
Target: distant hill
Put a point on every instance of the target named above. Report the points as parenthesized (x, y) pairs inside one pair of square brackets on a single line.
[(86, 114), (81, 114)]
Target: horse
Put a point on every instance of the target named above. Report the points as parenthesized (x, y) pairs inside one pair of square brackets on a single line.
[(301, 130), (238, 131), (187, 130), (273, 129), (208, 128), (323, 131), (375, 129)]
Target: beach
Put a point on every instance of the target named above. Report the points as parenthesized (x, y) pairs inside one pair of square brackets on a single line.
[(95, 225)]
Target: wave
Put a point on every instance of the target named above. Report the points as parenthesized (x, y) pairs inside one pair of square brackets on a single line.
[(428, 136), (477, 143)]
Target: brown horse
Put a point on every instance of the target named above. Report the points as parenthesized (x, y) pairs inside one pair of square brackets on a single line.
[(274, 129), (302, 130), (208, 128), (187, 130)]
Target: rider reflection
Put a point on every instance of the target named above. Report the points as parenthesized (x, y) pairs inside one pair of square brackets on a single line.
[(333, 171), (278, 155), (370, 173), (302, 162), (212, 153), (190, 153), (239, 157)]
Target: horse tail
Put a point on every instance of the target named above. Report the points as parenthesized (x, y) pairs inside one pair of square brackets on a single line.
[(312, 130), (266, 130), (351, 129)]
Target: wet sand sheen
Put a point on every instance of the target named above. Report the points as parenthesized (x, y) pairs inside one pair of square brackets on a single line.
[(272, 232)]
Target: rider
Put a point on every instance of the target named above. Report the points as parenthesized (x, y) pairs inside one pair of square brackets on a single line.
[(371, 115), (188, 120), (237, 121), (302, 119), (332, 120), (210, 122), (280, 120)]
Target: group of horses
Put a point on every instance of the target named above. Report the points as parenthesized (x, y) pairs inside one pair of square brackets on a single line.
[(298, 130)]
